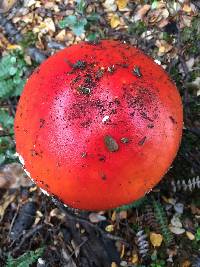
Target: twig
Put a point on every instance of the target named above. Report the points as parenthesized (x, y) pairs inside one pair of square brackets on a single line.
[(70, 216), (28, 235)]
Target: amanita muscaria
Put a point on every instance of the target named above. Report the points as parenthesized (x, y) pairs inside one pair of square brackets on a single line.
[(98, 125)]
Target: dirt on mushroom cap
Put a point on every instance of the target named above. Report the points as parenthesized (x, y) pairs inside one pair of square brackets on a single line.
[(67, 101)]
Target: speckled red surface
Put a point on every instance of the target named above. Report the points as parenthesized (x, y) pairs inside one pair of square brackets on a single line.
[(98, 125)]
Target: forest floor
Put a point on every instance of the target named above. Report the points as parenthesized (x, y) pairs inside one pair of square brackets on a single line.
[(162, 229)]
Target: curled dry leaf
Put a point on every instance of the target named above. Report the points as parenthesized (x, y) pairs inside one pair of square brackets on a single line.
[(141, 12), (156, 239), (5, 202), (61, 36), (121, 4), (159, 17), (114, 21), (163, 47), (13, 176), (57, 213), (186, 263), (6, 5)]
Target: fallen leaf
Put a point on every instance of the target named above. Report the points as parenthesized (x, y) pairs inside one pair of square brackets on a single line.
[(13, 46), (121, 4), (186, 263), (109, 228), (61, 36), (95, 217), (187, 8), (141, 12), (5, 202), (57, 213), (156, 239), (113, 217), (122, 251), (175, 221), (110, 5), (190, 235), (50, 24), (176, 230), (13, 176), (123, 214), (163, 47), (134, 258), (6, 5), (114, 21), (113, 264), (29, 3)]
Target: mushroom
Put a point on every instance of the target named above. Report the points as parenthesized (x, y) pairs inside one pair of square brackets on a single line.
[(98, 125)]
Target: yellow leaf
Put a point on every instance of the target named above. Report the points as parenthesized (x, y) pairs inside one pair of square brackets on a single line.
[(121, 4), (114, 21), (109, 228), (114, 264), (11, 47), (134, 258), (122, 252), (156, 239), (190, 235), (187, 8), (113, 217)]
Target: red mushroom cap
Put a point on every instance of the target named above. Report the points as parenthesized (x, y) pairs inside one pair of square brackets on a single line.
[(98, 125)]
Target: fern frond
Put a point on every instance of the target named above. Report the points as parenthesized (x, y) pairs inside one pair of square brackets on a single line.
[(135, 204), (184, 185), (25, 260), (149, 218), (142, 243), (161, 218)]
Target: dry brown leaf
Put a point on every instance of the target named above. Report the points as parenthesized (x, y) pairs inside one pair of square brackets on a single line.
[(57, 213), (141, 12), (163, 47), (134, 258), (114, 21), (13, 176), (5, 202), (121, 4), (186, 263), (6, 5), (187, 8), (185, 21), (61, 35), (123, 214), (113, 217), (156, 239)]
